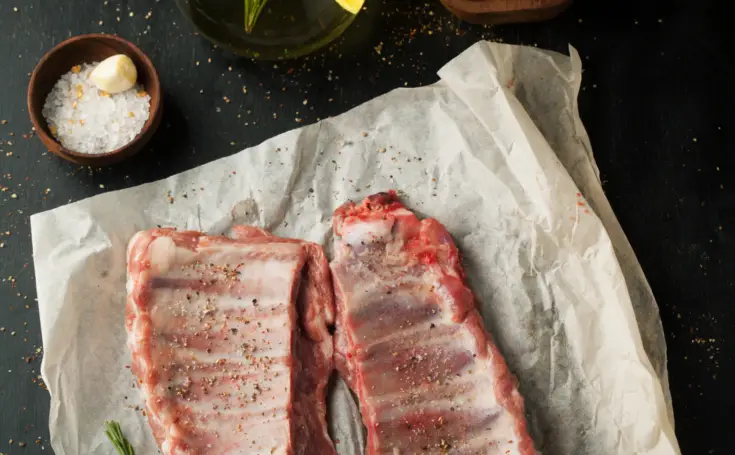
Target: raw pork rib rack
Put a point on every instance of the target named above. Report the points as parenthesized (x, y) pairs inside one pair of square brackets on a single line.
[(411, 343), (229, 341)]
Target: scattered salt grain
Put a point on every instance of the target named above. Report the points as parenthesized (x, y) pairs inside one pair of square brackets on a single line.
[(87, 120)]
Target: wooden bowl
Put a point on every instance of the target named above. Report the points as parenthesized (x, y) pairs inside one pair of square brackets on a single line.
[(505, 11), (87, 49)]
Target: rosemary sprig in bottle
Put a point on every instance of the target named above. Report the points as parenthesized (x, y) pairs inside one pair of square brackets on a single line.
[(116, 437), (253, 8)]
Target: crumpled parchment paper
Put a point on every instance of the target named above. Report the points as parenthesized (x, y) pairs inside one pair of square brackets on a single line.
[(496, 151)]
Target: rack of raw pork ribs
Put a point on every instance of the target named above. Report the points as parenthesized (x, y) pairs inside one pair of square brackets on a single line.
[(232, 342)]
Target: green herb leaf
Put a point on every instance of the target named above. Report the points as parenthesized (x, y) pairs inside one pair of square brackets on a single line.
[(116, 437), (253, 8)]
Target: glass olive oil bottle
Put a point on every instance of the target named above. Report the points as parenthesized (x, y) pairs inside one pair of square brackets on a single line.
[(273, 29)]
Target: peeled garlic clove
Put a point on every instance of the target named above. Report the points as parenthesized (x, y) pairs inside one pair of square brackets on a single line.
[(115, 74)]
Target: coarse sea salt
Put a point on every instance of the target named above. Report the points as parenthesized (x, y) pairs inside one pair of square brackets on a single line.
[(87, 120)]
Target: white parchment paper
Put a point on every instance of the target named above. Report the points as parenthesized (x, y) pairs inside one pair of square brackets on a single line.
[(496, 151)]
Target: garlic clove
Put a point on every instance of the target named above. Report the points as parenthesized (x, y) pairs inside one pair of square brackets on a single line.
[(115, 74)]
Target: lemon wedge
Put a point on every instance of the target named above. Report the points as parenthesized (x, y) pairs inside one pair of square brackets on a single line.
[(115, 74), (353, 6)]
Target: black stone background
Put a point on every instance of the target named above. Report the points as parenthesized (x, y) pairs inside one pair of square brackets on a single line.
[(657, 102)]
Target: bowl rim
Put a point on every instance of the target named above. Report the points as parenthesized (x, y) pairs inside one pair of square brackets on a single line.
[(37, 117)]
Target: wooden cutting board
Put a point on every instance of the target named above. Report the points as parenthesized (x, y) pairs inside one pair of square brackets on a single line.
[(505, 11)]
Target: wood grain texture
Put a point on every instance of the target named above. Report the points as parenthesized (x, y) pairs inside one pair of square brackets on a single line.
[(506, 11)]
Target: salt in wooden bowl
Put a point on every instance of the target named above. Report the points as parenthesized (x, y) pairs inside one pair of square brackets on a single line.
[(87, 49)]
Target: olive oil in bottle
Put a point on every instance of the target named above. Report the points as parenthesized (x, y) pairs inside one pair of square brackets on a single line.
[(281, 29)]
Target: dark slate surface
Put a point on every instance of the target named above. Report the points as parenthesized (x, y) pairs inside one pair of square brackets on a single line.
[(657, 100)]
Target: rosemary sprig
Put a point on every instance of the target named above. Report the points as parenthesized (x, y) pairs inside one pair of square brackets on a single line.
[(253, 8), (116, 437)]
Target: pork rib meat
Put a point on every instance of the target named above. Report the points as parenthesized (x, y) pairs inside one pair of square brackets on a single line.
[(229, 341), (411, 343)]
